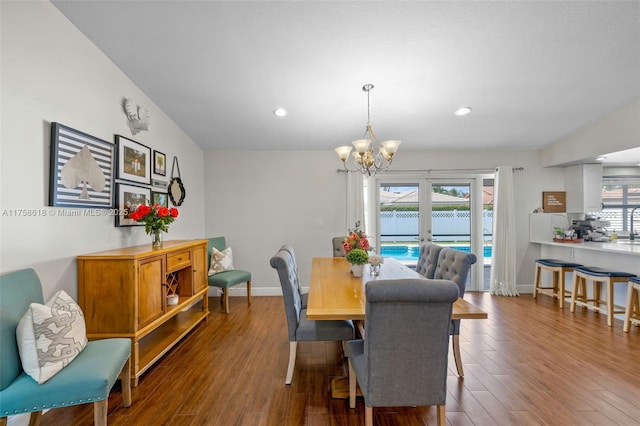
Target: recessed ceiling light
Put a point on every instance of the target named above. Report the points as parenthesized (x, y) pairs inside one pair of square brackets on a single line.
[(463, 111), (601, 158), (280, 112)]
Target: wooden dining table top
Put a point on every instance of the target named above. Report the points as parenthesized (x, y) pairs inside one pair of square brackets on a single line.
[(335, 294)]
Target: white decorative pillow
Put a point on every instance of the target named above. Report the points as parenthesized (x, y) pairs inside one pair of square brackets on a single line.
[(221, 261), (50, 336)]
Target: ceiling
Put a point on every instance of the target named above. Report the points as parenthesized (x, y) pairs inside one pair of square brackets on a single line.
[(533, 72)]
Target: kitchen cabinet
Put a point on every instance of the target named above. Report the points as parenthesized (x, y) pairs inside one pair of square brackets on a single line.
[(583, 185), (123, 293)]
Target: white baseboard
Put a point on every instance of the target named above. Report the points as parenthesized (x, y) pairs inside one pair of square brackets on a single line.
[(241, 290)]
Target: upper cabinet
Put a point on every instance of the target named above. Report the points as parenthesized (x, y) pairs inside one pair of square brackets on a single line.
[(583, 184)]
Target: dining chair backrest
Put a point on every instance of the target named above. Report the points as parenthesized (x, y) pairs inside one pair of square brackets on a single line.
[(454, 265), (428, 259), (284, 263), (406, 344), (338, 248), (292, 252)]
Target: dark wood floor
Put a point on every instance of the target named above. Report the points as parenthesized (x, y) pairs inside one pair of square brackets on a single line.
[(530, 363)]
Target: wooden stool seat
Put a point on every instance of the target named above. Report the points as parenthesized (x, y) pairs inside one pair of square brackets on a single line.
[(632, 311), (597, 276), (558, 269)]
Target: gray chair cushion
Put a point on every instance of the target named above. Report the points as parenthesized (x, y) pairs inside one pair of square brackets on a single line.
[(428, 259), (403, 359)]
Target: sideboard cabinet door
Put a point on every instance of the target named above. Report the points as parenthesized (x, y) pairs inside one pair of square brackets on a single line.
[(151, 298)]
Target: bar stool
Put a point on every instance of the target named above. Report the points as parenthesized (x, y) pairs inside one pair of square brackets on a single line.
[(558, 270), (632, 312), (597, 276)]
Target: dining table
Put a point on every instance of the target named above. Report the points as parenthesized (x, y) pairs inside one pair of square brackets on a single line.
[(336, 294)]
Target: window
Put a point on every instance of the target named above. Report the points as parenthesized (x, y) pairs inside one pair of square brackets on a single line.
[(619, 196)]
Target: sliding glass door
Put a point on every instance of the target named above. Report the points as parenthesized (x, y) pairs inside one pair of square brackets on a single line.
[(444, 211)]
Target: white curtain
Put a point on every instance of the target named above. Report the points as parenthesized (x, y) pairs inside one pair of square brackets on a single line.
[(355, 200), (370, 223), (503, 258)]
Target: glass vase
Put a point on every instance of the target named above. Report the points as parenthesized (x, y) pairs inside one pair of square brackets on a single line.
[(375, 270), (157, 239)]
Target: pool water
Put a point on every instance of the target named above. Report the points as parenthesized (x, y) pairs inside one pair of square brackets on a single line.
[(411, 253)]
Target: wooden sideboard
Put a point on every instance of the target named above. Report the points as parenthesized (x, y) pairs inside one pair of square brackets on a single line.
[(123, 294)]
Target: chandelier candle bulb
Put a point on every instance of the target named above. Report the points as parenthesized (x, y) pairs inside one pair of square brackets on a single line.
[(361, 145), (343, 152)]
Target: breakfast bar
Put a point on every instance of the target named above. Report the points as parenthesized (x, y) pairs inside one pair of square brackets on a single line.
[(621, 255)]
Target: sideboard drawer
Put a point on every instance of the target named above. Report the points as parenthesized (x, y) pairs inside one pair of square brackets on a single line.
[(178, 260)]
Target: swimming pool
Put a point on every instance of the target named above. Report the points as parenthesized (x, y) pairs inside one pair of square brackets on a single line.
[(411, 253)]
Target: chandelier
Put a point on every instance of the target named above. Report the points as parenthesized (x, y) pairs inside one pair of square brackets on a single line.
[(369, 155)]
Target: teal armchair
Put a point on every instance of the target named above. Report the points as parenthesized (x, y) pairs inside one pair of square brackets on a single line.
[(87, 379), (226, 279)]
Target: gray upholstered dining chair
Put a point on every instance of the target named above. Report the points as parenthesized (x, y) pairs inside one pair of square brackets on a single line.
[(337, 247), (428, 259), (304, 297), (454, 265), (300, 328), (402, 360)]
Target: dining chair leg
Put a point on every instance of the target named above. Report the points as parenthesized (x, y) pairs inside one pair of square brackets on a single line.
[(34, 418), (456, 354), (293, 346), (249, 292), (100, 410), (442, 416), (125, 383), (225, 293), (352, 386), (368, 415)]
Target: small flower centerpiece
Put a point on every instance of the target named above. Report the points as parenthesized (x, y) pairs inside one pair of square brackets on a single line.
[(355, 239), (355, 246), (155, 219), (357, 257)]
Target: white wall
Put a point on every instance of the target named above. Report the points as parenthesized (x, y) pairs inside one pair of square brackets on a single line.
[(616, 132), (50, 72), (261, 200)]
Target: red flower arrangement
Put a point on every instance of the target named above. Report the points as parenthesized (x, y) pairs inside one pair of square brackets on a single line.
[(155, 218), (355, 239)]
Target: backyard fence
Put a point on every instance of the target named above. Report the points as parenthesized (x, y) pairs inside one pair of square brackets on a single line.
[(452, 225)]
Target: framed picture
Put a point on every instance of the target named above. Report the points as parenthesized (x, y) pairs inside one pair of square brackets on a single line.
[(134, 161), (161, 198), (129, 198), (159, 163), (81, 172)]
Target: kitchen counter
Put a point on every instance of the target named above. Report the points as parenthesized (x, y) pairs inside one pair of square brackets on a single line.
[(619, 246), (622, 255)]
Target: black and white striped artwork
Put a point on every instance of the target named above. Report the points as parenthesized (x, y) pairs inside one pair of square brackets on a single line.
[(81, 169)]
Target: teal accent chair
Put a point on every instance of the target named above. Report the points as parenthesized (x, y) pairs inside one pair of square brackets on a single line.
[(87, 379), (224, 280)]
